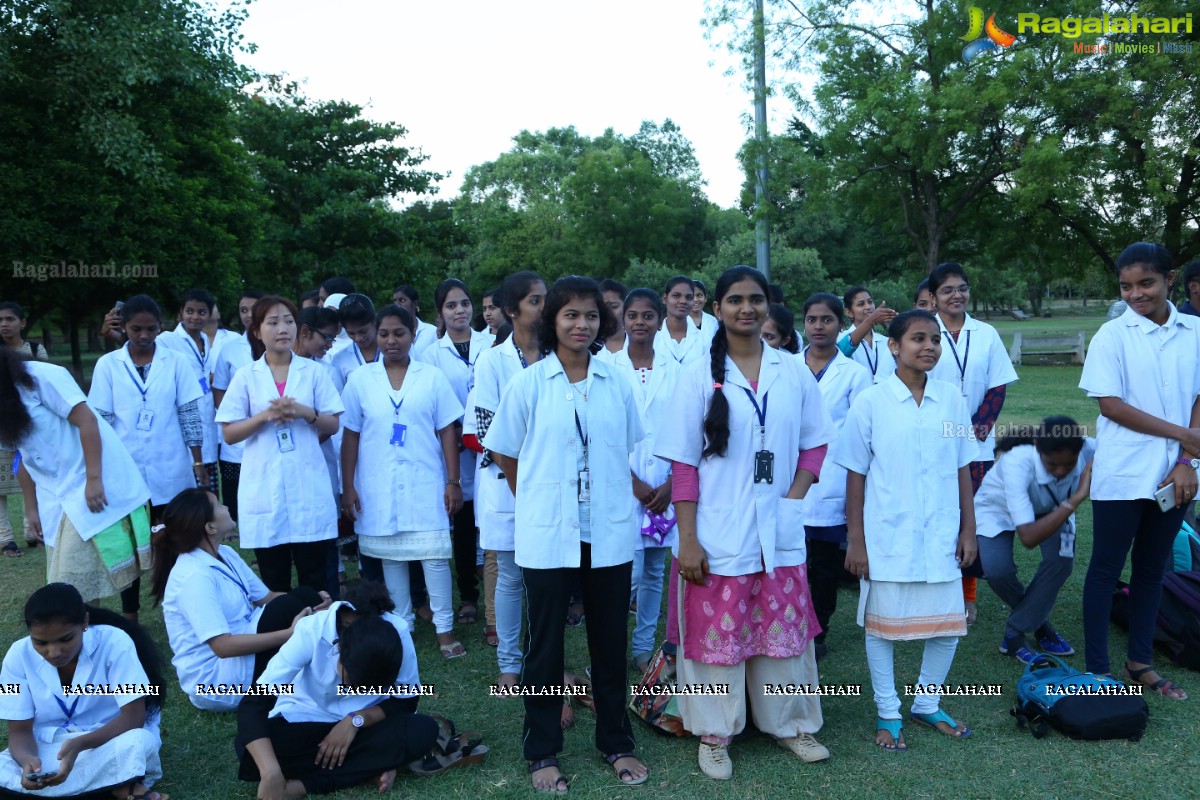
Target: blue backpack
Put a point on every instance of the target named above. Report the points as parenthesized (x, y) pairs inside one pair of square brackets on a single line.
[(1081, 705)]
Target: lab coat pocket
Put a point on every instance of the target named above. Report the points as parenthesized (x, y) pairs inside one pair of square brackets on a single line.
[(790, 548), (719, 530), (541, 507)]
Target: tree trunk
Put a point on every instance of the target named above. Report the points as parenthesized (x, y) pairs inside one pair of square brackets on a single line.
[(94, 344), (76, 355)]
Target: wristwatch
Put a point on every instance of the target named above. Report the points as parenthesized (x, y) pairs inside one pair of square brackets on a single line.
[(1194, 463), (357, 720)]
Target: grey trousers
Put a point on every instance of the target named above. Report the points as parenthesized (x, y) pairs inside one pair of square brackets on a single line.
[(1031, 604)]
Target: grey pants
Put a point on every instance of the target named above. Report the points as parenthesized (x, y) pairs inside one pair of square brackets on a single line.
[(1031, 605)]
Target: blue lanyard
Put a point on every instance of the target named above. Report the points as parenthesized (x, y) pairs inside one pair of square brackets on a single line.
[(819, 375), (233, 576), (68, 712), (137, 383), (358, 355), (466, 360), (520, 355), (202, 359), (396, 405), (762, 414)]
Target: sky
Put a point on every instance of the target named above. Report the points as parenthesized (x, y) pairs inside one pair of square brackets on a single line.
[(465, 77)]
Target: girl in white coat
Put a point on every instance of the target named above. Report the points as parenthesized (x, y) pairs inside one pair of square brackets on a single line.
[(191, 342), (400, 479), (652, 376), (521, 297), (906, 445), (234, 355), (861, 342), (747, 437), (455, 354), (149, 395), (102, 541), (840, 379), (576, 520), (222, 622), (64, 741), (280, 406)]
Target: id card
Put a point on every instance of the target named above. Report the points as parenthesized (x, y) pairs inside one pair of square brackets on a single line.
[(764, 467), (145, 419), (204, 385), (283, 436), (585, 486), (399, 434), (1066, 544)]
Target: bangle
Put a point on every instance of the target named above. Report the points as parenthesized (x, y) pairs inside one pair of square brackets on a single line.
[(454, 481), (1067, 503), (197, 464)]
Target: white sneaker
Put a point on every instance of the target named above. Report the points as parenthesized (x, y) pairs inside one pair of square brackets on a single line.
[(805, 746), (715, 762)]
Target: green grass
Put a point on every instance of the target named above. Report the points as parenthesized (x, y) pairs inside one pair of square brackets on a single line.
[(999, 761)]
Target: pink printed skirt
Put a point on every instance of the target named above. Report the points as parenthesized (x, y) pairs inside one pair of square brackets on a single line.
[(732, 619)]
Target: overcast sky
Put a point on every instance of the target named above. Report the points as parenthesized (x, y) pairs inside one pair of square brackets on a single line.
[(464, 77)]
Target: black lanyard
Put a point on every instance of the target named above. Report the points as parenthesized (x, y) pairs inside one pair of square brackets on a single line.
[(867, 350), (762, 414), (962, 365), (582, 437)]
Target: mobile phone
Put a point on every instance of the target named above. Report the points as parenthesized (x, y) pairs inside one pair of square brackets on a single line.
[(41, 776), (119, 305), (1166, 497)]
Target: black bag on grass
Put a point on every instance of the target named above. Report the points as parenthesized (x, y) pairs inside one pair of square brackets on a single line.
[(1080, 705)]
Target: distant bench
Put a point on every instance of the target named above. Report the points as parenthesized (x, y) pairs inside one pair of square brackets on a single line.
[(1066, 345)]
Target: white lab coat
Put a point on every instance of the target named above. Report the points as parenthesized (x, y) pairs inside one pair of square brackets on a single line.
[(1019, 489), (536, 425), (206, 598), (654, 405), (876, 358), (495, 504), (283, 497), (424, 337), (308, 661), (401, 488), (53, 454), (234, 355), (201, 365), (911, 456), (743, 526), (978, 362), (161, 455), (349, 359), (1155, 369), (461, 375), (694, 346), (844, 379)]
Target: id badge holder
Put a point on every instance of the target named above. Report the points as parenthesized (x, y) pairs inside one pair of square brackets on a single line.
[(764, 467), (145, 419), (399, 433), (283, 437), (585, 486), (204, 385), (1066, 542)]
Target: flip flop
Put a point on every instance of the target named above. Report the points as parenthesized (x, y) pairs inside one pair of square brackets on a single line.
[(436, 764), (932, 720), (468, 613), (452, 650), (560, 785), (11, 550), (612, 760), (896, 729), (490, 637)]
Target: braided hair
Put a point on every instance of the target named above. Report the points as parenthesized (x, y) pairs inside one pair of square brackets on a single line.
[(716, 423)]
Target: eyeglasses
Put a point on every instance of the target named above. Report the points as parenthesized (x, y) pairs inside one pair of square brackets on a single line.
[(950, 291), (328, 339)]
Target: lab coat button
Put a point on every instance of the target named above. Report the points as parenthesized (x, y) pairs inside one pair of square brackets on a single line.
[(575, 525), (571, 442)]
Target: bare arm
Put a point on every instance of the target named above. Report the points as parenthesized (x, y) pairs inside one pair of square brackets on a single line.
[(856, 538), (89, 438), (968, 547)]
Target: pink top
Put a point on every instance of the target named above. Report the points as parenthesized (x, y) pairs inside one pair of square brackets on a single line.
[(685, 480), (280, 387)]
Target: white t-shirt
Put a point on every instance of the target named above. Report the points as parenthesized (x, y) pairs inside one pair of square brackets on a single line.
[(1018, 490)]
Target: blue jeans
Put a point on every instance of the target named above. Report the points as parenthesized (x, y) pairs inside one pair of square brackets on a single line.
[(648, 589), (509, 592)]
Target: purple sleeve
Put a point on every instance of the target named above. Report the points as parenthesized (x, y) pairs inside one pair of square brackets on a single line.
[(989, 410)]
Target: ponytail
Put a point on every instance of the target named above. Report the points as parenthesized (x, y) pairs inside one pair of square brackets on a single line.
[(147, 652), (369, 598), (716, 423), (182, 531)]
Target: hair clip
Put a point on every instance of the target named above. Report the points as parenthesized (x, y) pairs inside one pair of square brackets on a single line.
[(716, 385), (156, 528)]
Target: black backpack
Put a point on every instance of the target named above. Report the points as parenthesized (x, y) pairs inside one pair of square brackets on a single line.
[(1177, 630)]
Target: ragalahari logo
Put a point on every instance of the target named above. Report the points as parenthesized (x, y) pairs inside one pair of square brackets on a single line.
[(984, 37)]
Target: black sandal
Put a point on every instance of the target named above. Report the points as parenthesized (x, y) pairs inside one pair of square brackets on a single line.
[(11, 550), (560, 786), (624, 772)]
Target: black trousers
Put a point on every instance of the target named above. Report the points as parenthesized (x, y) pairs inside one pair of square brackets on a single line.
[(390, 744), (312, 560), (606, 595), (278, 616), (231, 476), (826, 561), (466, 542)]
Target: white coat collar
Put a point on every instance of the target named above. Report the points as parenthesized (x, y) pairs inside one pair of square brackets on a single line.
[(767, 371), (836, 364), (969, 323), (902, 392), (478, 342), (123, 356), (1135, 320), (596, 367)]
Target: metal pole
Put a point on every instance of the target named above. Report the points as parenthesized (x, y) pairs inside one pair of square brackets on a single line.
[(763, 221)]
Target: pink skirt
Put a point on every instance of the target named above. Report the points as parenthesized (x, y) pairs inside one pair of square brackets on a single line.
[(732, 619)]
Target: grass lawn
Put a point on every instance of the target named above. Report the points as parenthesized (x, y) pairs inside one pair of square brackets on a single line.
[(999, 761)]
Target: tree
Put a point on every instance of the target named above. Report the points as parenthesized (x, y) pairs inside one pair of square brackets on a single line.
[(117, 150), (331, 177)]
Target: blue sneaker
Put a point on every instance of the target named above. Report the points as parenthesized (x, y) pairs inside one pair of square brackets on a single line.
[(1056, 645), (1017, 649)]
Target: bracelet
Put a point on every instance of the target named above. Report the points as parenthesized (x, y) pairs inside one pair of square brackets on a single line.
[(454, 481), (1067, 503), (197, 464)]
